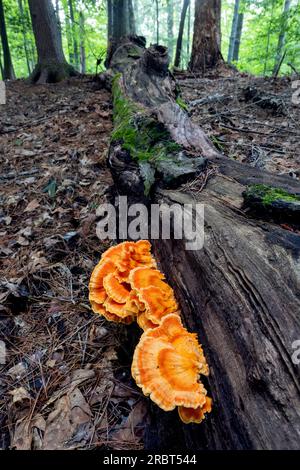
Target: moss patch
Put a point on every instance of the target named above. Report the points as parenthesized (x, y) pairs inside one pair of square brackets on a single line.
[(141, 135), (182, 103), (269, 194)]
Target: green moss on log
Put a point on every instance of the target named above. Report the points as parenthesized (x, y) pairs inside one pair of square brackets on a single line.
[(268, 194), (182, 103), (140, 134)]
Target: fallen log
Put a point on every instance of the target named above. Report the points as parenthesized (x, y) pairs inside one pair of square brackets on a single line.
[(240, 292)]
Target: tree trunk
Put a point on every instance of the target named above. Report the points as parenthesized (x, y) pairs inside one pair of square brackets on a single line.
[(239, 292), (74, 34), (157, 20), (281, 38), (233, 30), (180, 32), (188, 32), (109, 9), (268, 37), (82, 44), (8, 70), (122, 24), (170, 25), (206, 50), (131, 19), (237, 40), (52, 66), (21, 10)]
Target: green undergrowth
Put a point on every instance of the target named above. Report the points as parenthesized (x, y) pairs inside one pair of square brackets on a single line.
[(269, 194)]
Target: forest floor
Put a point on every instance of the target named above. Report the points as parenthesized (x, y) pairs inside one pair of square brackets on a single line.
[(64, 372)]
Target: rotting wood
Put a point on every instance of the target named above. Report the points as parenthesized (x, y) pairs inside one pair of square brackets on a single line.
[(240, 293)]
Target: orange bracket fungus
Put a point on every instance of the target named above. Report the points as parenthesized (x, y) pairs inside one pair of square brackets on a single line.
[(126, 286)]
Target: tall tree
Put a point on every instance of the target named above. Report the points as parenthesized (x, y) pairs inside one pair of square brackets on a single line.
[(82, 43), (74, 34), (281, 38), (170, 25), (21, 9), (233, 30), (206, 50), (238, 35), (180, 32), (8, 70), (121, 23), (52, 65), (157, 20)]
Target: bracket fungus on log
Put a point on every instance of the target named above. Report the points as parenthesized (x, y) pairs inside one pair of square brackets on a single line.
[(168, 360)]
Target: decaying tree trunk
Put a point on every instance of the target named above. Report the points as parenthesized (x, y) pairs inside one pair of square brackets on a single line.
[(240, 292)]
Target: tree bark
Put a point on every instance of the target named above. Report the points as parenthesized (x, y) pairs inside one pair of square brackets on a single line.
[(74, 34), (233, 30), (206, 49), (237, 40), (8, 69), (157, 20), (239, 293), (180, 32), (82, 43), (281, 38), (170, 25), (121, 23), (52, 66), (21, 10)]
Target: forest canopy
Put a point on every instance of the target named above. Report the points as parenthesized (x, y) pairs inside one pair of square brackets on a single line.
[(267, 31)]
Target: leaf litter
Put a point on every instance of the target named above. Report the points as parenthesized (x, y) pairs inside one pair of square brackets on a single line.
[(60, 372)]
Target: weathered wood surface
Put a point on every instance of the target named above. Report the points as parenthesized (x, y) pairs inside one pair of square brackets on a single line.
[(240, 293)]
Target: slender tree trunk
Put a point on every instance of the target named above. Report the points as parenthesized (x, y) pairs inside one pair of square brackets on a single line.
[(21, 9), (281, 38), (136, 9), (188, 32), (109, 9), (157, 21), (74, 34), (170, 25), (233, 30), (131, 18), (268, 37), (82, 44), (52, 66), (121, 19), (206, 51), (8, 70), (180, 32), (237, 40)]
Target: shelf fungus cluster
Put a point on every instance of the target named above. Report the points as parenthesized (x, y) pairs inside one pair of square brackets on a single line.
[(127, 286)]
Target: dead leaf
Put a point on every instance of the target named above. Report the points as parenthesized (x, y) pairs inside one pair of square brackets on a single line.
[(20, 396), (132, 430), (34, 204), (71, 411)]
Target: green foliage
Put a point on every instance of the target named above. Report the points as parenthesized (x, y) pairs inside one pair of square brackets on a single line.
[(263, 21)]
